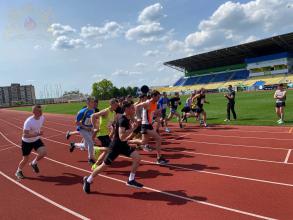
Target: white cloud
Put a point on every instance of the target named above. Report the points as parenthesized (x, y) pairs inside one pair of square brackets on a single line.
[(97, 45), (145, 33), (140, 65), (149, 28), (109, 30), (58, 29), (151, 53), (98, 76), (176, 45), (37, 47), (151, 14), (125, 73), (66, 43), (233, 23)]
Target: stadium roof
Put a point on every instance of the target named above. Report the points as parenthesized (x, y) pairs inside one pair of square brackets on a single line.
[(234, 55)]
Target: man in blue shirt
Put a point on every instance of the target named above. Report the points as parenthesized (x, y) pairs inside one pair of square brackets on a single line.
[(163, 103), (85, 127)]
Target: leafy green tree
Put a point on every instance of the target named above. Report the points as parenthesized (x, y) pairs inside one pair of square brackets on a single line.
[(103, 89)]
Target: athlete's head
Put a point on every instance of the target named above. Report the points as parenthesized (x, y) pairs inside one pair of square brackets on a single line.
[(281, 86), (193, 93), (129, 98), (128, 108), (37, 111), (155, 95), (143, 97), (176, 94), (90, 102), (96, 101), (113, 104), (202, 91), (230, 87), (165, 94)]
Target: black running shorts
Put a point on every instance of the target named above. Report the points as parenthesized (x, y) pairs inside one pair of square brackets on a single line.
[(27, 147)]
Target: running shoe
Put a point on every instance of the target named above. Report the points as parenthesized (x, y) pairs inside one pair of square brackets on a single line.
[(19, 175), (161, 160), (86, 185), (71, 147), (147, 148), (68, 135), (91, 162), (168, 130), (35, 167), (180, 125), (226, 120), (134, 184)]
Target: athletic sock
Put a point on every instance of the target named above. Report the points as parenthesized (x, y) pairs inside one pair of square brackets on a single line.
[(90, 179), (131, 176), (18, 169), (34, 162)]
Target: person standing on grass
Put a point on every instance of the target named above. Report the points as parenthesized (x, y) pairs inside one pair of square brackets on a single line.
[(120, 145), (231, 103), (31, 139), (280, 97)]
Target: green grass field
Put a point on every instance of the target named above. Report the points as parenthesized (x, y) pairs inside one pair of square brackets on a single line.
[(252, 108)]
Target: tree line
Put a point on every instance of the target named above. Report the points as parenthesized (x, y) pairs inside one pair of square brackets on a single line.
[(105, 90)]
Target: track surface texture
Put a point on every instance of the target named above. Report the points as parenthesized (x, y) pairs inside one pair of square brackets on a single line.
[(219, 172)]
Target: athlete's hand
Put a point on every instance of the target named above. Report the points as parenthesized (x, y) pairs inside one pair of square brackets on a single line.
[(134, 125)]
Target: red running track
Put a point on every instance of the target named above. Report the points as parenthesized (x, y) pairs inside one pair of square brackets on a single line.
[(221, 172)]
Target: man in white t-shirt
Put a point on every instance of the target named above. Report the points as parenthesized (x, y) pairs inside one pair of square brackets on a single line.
[(31, 140), (280, 97)]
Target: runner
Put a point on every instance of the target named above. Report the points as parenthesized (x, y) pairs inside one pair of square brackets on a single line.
[(163, 105), (31, 139), (187, 109), (174, 102), (70, 133), (200, 99), (85, 128), (119, 145), (148, 112), (104, 130)]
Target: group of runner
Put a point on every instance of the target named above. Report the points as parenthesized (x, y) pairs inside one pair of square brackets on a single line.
[(124, 127)]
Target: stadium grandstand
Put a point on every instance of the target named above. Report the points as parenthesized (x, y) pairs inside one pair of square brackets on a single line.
[(256, 65)]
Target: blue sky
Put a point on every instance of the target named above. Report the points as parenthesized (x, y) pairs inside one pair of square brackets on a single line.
[(71, 44)]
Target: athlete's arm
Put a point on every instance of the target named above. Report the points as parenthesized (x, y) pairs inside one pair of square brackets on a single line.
[(124, 134), (27, 134)]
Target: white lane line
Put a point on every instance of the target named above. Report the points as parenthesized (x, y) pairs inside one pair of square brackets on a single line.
[(45, 198), (207, 172), (235, 145), (56, 135), (202, 142), (7, 148), (159, 191), (212, 155), (287, 157), (247, 137), (6, 145), (200, 171)]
